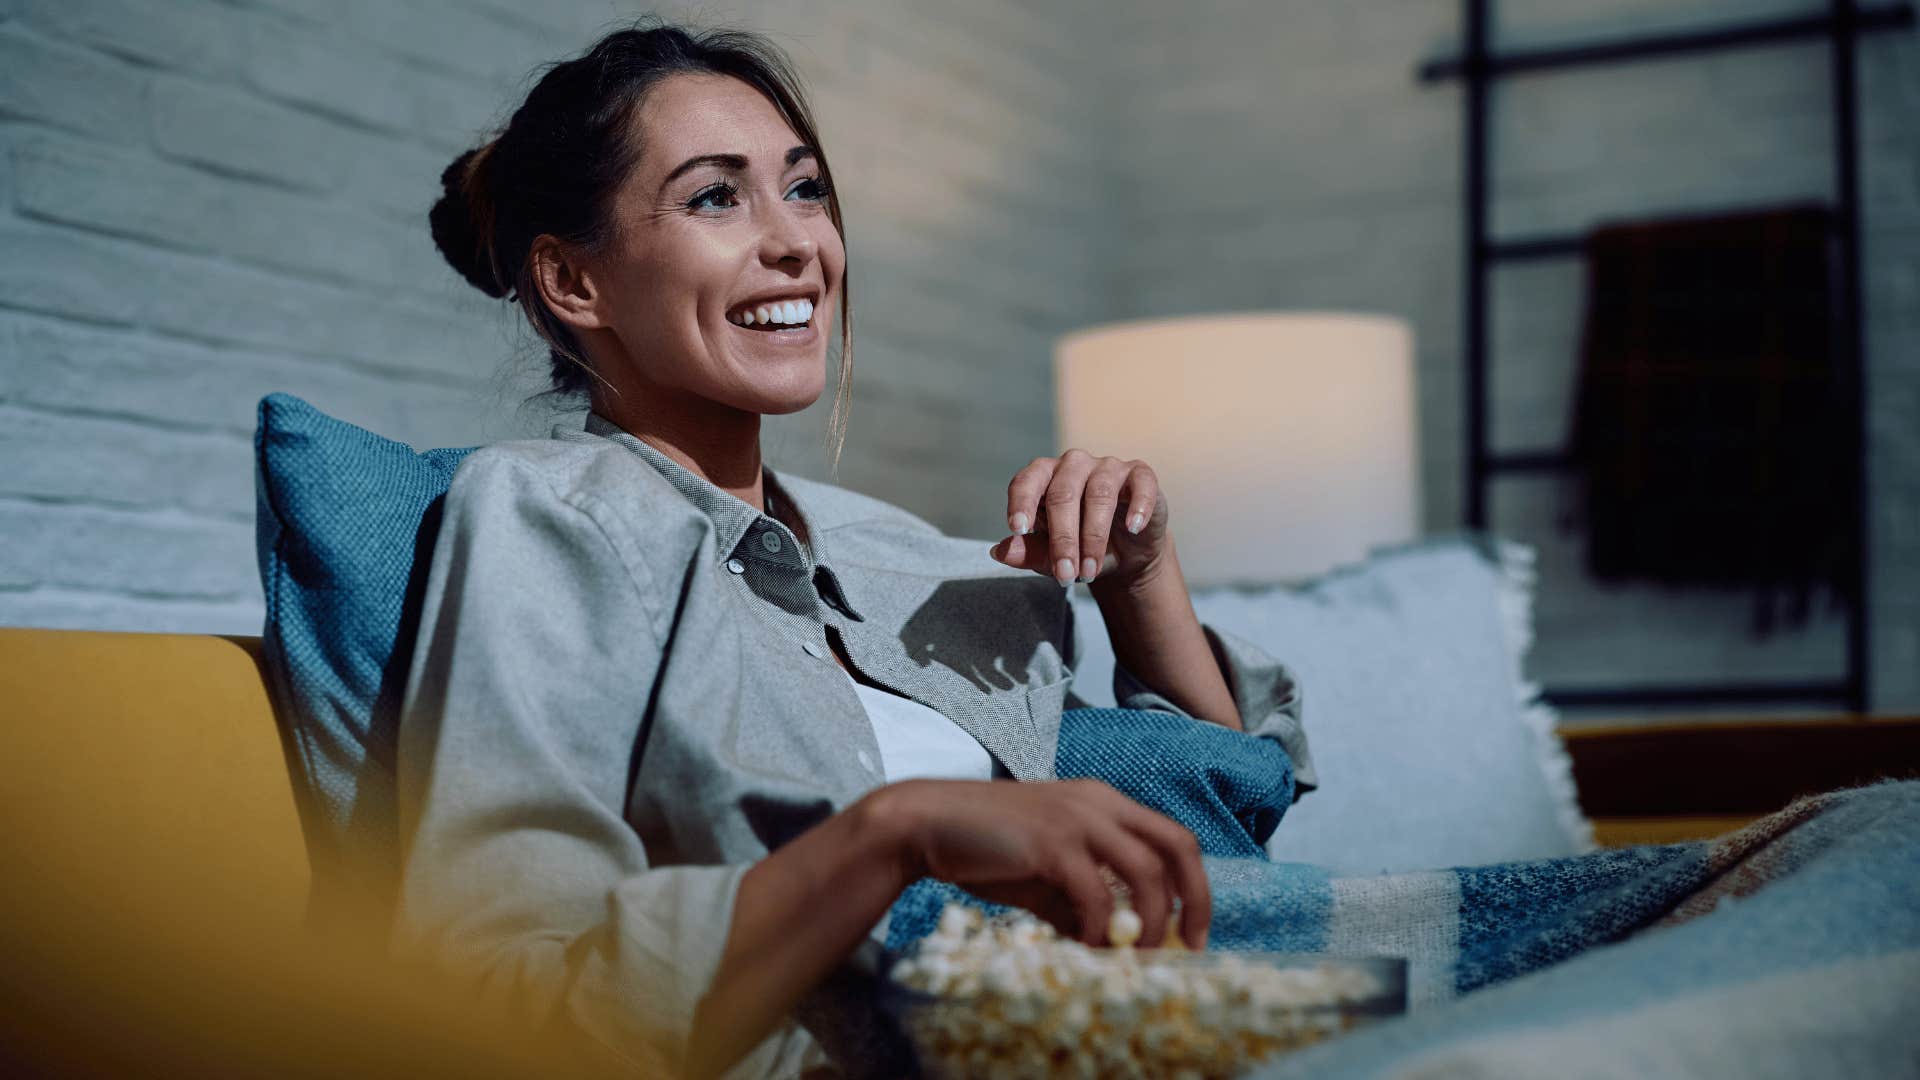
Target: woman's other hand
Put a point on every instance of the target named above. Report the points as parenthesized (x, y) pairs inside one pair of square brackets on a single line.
[(1069, 514), (1040, 846)]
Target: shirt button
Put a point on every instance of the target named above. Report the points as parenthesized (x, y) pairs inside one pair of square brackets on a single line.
[(815, 651), (866, 760), (771, 541), (736, 566)]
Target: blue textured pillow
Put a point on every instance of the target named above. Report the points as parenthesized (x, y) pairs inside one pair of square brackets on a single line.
[(344, 524)]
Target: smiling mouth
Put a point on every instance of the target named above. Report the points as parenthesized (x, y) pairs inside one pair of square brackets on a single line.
[(783, 315)]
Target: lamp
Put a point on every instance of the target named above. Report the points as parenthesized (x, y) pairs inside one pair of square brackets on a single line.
[(1284, 442)]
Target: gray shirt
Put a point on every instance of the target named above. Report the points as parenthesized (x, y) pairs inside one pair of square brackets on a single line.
[(623, 694)]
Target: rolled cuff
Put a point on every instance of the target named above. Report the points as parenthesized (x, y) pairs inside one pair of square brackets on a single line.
[(1264, 690), (667, 933)]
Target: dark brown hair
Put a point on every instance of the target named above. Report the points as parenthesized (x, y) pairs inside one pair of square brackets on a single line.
[(555, 167)]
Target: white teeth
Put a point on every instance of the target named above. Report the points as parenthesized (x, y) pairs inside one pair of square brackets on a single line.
[(785, 312)]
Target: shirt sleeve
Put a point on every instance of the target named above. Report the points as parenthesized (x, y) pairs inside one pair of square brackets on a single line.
[(1264, 690), (530, 675)]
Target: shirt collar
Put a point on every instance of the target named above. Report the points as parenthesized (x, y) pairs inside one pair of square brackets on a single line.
[(740, 530)]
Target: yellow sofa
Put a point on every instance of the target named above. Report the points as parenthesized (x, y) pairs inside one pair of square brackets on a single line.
[(152, 921), (156, 754)]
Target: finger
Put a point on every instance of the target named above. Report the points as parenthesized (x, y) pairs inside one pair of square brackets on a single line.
[(1063, 513), (1145, 872), (1025, 552), (1143, 492), (1097, 506), (1079, 878), (1045, 899), (1015, 552), (1023, 494), (1181, 852)]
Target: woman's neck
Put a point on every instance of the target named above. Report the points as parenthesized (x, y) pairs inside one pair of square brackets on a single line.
[(721, 445)]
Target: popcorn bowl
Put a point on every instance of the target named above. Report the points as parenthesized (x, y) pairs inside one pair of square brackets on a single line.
[(1009, 998)]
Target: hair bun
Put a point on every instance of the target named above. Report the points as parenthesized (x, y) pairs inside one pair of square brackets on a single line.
[(462, 220)]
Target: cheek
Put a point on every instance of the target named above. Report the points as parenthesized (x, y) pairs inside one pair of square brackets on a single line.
[(673, 282), (833, 254)]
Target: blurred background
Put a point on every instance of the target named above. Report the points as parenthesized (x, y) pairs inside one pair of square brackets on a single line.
[(203, 201)]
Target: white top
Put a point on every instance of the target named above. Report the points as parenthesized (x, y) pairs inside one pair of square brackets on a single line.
[(916, 741)]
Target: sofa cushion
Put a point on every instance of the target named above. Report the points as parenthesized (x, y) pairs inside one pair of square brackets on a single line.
[(345, 523), (144, 772), (1432, 749)]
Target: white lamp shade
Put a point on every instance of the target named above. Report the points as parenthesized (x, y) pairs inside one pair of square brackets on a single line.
[(1285, 443)]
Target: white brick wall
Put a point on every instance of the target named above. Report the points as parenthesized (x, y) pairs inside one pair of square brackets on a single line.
[(1283, 155), (205, 200)]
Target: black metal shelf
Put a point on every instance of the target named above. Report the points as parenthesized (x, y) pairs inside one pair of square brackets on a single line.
[(1478, 67), (1522, 461)]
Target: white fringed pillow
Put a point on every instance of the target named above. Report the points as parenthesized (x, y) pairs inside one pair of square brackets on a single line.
[(1431, 747)]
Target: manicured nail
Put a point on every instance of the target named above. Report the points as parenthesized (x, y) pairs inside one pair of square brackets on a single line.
[(1063, 572), (1088, 568), (1020, 524), (1134, 523)]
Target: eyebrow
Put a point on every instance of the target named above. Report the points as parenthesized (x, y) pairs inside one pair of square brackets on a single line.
[(732, 162)]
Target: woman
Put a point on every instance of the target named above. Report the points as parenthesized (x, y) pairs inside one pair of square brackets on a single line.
[(679, 729)]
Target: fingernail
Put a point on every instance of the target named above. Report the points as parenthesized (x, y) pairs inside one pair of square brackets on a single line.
[(1134, 523), (1020, 524), (1088, 568), (1063, 571)]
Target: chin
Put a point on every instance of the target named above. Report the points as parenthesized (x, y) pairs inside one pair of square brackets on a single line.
[(781, 400)]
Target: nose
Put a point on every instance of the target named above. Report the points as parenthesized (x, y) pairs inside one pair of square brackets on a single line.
[(787, 240)]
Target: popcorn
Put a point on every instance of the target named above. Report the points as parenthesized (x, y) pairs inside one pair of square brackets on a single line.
[(1010, 997)]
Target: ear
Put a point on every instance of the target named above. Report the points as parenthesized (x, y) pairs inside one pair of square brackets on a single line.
[(567, 284)]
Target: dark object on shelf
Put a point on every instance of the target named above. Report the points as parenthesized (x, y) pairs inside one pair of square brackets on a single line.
[(1479, 67), (1712, 425)]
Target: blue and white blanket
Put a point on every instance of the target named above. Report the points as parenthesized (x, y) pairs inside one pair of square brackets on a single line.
[(1789, 948)]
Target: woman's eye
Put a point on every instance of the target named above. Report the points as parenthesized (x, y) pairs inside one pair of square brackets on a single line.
[(812, 189), (717, 191)]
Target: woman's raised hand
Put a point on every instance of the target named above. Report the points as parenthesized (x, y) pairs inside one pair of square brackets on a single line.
[(1087, 508), (1040, 846)]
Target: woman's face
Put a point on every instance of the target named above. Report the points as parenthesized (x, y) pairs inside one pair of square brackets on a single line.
[(724, 217)]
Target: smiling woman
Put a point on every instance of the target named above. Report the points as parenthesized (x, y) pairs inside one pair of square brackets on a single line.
[(679, 729), (638, 224)]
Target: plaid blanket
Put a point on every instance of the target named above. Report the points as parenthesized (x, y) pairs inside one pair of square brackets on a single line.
[(1791, 947)]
